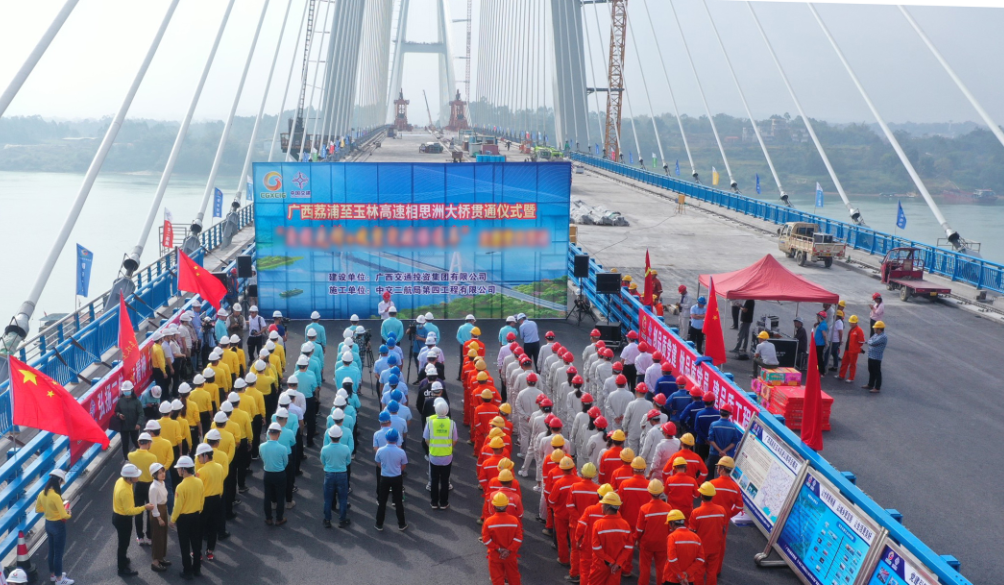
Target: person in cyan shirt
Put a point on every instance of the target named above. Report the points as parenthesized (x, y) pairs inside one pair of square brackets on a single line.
[(336, 457), (391, 460), (275, 456)]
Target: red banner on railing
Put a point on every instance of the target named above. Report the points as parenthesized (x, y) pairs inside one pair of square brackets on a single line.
[(683, 358)]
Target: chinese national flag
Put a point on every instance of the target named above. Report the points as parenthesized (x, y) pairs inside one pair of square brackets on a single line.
[(196, 279), (168, 237), (41, 403), (127, 339), (646, 298), (812, 407), (714, 338)]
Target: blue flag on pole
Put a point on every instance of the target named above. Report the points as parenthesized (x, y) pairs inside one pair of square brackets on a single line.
[(758, 183), (819, 195), (85, 258), (677, 168), (249, 195), (631, 157), (900, 216), (218, 203)]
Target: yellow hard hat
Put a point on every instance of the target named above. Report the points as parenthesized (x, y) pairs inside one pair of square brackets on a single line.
[(853, 319), (687, 439), (840, 313), (505, 475), (505, 408), (706, 489), (763, 335), (679, 461), (496, 443), (566, 463), (675, 516), (480, 366), (842, 304), (632, 286), (638, 463), (472, 353), (618, 435), (626, 278), (654, 272), (557, 441), (604, 490), (498, 422), (486, 394), (627, 455), (655, 487), (611, 499), (505, 463), (589, 470), (727, 462), (879, 325), (556, 455), (495, 432), (476, 331), (499, 500)]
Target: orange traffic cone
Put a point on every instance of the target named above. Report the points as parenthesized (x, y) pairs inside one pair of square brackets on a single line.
[(23, 559)]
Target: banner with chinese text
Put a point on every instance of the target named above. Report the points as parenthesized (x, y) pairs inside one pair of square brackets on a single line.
[(484, 238)]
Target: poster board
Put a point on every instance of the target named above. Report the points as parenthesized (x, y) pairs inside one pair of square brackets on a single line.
[(766, 471), (894, 565), (825, 538), (489, 239)]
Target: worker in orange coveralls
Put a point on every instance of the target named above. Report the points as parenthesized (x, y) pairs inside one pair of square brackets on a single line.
[(558, 500), (684, 553), (502, 535), (584, 532), (728, 496), (610, 460), (710, 522), (681, 488), (583, 495), (613, 543), (651, 531), (634, 494)]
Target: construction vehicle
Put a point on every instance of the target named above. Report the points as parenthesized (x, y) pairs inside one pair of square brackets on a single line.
[(903, 270), (805, 243), (546, 154)]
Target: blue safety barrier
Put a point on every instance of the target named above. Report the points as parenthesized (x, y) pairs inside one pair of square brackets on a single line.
[(981, 274), (624, 309)]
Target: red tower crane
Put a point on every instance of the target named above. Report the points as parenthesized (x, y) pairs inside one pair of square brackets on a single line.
[(615, 76)]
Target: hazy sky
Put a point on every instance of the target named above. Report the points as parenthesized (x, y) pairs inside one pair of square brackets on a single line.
[(90, 64)]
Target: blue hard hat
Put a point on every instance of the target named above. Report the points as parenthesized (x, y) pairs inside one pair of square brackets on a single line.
[(394, 379), (383, 349), (384, 416), (392, 360), (392, 436), (391, 337), (393, 406), (395, 371), (397, 395), (391, 342), (701, 300)]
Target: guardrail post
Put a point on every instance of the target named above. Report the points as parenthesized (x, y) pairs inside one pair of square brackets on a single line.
[(896, 514), (849, 476), (41, 345), (952, 562), (59, 333)]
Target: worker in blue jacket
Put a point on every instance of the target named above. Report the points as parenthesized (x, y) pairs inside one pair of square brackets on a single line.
[(702, 422), (723, 438), (689, 412), (677, 403), (666, 384)]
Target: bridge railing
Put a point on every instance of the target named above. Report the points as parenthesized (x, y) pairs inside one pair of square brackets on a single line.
[(958, 267), (626, 309)]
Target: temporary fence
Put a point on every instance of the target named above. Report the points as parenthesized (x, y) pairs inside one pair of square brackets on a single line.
[(959, 267), (790, 490)]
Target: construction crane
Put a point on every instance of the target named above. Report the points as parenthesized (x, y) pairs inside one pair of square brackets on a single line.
[(615, 75), (432, 125)]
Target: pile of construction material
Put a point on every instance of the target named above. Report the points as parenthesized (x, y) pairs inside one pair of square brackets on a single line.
[(587, 215)]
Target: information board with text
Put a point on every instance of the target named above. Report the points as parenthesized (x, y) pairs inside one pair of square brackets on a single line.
[(766, 470), (896, 566)]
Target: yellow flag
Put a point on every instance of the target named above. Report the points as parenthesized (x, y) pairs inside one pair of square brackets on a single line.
[(714, 176)]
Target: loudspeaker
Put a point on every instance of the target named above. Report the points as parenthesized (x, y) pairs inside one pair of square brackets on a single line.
[(221, 276), (608, 283), (244, 267), (610, 334), (580, 266)]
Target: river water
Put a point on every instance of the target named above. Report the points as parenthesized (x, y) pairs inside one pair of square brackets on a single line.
[(33, 207)]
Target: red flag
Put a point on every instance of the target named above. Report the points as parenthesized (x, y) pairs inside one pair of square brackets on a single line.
[(646, 298), (812, 407), (41, 403), (196, 279), (127, 340), (167, 241), (714, 338)]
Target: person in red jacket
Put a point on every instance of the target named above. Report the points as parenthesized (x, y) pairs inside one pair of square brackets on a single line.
[(610, 460), (681, 488), (695, 465), (489, 467), (483, 415), (550, 470), (710, 522), (634, 493), (558, 499), (502, 535), (613, 544), (728, 496), (583, 494), (504, 483), (684, 553), (584, 532), (624, 471), (651, 532)]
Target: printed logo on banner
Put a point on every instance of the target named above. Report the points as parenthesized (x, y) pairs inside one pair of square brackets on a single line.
[(300, 180), (273, 181)]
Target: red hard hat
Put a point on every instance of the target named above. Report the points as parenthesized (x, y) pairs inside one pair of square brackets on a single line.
[(643, 347), (549, 335), (594, 333), (556, 423), (525, 360), (632, 335), (510, 336), (568, 357), (601, 344), (821, 314), (641, 387), (540, 398), (531, 377), (621, 380), (587, 398), (667, 367), (546, 402), (593, 412), (556, 347), (600, 422), (876, 296), (682, 288), (577, 380), (571, 370), (513, 347), (669, 428), (618, 367), (548, 419), (709, 397), (726, 408), (518, 350), (695, 391), (660, 399), (386, 295), (654, 413), (682, 381), (657, 356)]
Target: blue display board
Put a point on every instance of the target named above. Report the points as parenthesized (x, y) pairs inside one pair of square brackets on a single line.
[(484, 238), (824, 536), (766, 469), (898, 567)]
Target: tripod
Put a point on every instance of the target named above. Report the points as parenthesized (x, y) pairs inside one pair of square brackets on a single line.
[(582, 308)]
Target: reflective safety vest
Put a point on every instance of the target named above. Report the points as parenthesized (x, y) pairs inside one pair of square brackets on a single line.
[(440, 437)]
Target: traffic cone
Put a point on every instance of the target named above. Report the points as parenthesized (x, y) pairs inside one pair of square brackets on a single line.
[(24, 560)]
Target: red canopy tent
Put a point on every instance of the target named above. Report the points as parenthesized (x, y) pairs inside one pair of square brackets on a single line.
[(768, 280)]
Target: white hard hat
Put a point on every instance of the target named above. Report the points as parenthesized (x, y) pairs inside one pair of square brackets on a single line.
[(360, 330), (510, 318), (315, 315), (58, 473), (17, 576), (274, 334), (226, 408), (430, 339), (312, 333), (340, 401), (420, 319), (253, 309), (234, 398), (128, 470), (224, 341), (185, 461), (184, 388), (348, 339), (209, 373), (155, 391), (152, 425), (284, 399), (428, 316), (470, 318), (341, 392), (235, 338), (177, 404), (186, 316), (264, 352), (354, 317), (165, 407), (392, 309), (215, 354), (276, 314), (335, 432), (434, 352), (269, 345), (145, 437), (155, 467), (338, 414), (260, 365), (222, 313), (221, 416), (156, 336), (303, 361), (198, 379), (214, 435), (275, 428), (347, 357), (347, 380), (202, 449), (307, 347), (442, 408), (237, 307), (292, 380), (126, 386), (437, 385), (240, 383), (281, 413), (430, 370), (251, 378)]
